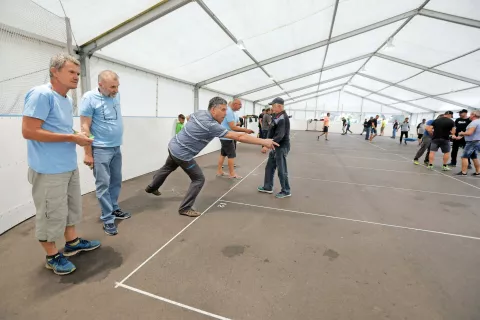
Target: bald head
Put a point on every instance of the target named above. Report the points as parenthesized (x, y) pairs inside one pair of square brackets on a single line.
[(108, 83), (236, 104)]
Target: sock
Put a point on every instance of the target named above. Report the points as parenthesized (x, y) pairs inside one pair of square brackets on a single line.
[(73, 242), (52, 256)]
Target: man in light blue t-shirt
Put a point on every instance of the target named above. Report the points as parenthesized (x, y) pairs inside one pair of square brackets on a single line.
[(472, 144), (101, 116), (52, 160), (229, 146)]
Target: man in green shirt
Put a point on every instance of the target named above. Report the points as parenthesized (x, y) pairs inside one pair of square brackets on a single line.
[(181, 120)]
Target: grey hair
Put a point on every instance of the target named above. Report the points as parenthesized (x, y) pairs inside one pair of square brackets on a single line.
[(215, 102), (58, 61), (476, 113), (107, 73)]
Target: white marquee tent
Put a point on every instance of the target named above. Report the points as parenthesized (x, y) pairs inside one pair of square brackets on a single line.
[(413, 58)]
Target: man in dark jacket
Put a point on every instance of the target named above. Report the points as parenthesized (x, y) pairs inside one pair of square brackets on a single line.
[(277, 159)]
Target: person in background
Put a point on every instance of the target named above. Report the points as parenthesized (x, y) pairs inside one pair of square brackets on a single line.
[(277, 159), (52, 164), (344, 125), (382, 128), (374, 125), (180, 123), (461, 124), (365, 123), (101, 116), (229, 147), (440, 130), (369, 128), (326, 124), (394, 129), (472, 144), (205, 125), (404, 128), (260, 118), (266, 122), (347, 128), (421, 131), (425, 145)]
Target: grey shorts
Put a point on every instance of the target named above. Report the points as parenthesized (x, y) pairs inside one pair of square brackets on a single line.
[(442, 144), (58, 203), (228, 149)]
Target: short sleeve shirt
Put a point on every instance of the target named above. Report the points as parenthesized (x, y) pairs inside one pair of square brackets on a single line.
[(442, 128), (106, 114), (476, 134), (229, 117), (56, 111), (196, 134)]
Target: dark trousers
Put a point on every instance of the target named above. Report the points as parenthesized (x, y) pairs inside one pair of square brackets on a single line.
[(424, 146), (191, 168), (455, 146), (277, 159), (402, 134)]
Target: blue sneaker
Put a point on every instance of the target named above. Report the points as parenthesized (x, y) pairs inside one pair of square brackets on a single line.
[(110, 229), (262, 189), (119, 214), (60, 265), (282, 195), (82, 245)]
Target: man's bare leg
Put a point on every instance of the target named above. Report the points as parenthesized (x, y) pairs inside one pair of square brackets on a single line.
[(476, 163), (446, 157), (431, 157), (220, 165), (231, 168), (49, 248), (70, 233), (465, 165)]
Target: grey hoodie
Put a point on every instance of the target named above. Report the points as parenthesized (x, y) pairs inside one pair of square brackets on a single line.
[(405, 126)]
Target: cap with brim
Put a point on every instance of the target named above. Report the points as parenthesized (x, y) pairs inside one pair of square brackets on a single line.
[(277, 100), (463, 111), (448, 112)]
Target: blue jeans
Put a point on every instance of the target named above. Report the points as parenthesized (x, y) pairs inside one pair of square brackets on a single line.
[(107, 171), (367, 133), (394, 133), (277, 159)]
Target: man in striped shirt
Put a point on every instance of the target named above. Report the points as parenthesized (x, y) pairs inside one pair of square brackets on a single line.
[(202, 127)]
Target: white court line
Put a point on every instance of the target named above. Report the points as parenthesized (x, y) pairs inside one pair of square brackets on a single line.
[(355, 220), (178, 304), (387, 187), (350, 157), (181, 231), (446, 175)]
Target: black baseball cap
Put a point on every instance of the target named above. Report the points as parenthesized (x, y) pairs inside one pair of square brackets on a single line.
[(463, 111), (448, 112), (277, 100)]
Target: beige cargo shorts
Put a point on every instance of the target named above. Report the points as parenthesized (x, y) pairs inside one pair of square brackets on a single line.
[(58, 203)]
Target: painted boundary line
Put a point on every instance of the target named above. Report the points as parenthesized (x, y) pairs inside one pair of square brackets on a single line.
[(350, 157), (188, 225), (355, 220), (443, 174), (178, 304), (385, 187)]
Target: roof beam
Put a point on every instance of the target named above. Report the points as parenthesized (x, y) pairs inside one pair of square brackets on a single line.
[(424, 68), (391, 98), (339, 64), (318, 91), (305, 87), (323, 94), (415, 91), (450, 18), (153, 13), (375, 101), (312, 46)]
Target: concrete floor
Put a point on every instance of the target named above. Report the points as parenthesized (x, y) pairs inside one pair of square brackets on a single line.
[(366, 235)]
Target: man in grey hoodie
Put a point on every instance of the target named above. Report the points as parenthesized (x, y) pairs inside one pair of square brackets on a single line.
[(404, 128)]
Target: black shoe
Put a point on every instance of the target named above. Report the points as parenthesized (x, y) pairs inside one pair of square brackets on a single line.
[(453, 165), (476, 174), (119, 214), (461, 174), (154, 192)]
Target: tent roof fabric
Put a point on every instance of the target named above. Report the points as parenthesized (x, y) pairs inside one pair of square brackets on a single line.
[(412, 55)]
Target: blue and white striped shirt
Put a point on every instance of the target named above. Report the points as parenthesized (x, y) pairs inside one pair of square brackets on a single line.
[(195, 135)]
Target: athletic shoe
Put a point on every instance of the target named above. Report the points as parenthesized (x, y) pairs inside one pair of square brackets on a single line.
[(425, 163), (262, 189), (110, 229), (119, 214), (82, 245), (453, 165), (154, 192), (282, 195), (60, 265), (461, 174), (476, 174), (190, 213), (445, 168), (430, 166), (416, 162)]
